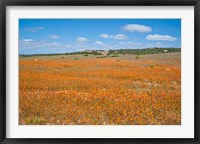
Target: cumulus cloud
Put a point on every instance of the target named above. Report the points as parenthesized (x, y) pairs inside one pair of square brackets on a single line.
[(104, 36), (161, 37), (54, 36), (99, 43), (137, 28), (81, 40), (117, 36), (130, 43), (34, 29)]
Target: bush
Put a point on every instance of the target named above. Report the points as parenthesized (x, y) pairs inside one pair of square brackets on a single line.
[(137, 57), (151, 66)]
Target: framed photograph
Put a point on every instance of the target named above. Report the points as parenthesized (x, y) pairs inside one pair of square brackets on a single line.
[(94, 71)]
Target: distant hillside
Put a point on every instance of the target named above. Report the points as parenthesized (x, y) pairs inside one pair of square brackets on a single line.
[(129, 51), (144, 51), (115, 53)]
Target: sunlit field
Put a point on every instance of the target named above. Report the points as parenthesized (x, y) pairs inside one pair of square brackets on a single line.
[(87, 90)]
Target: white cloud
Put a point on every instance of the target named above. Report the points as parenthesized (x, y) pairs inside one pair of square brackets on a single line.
[(134, 43), (130, 43), (81, 40), (157, 44), (119, 36), (53, 44), (137, 28), (29, 43), (161, 37), (54, 36), (122, 43), (104, 36), (34, 29), (68, 45), (99, 43), (27, 40)]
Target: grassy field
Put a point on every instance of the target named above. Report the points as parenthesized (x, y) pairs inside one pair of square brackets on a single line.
[(90, 90)]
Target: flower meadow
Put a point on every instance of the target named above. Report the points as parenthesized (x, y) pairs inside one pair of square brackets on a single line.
[(125, 90)]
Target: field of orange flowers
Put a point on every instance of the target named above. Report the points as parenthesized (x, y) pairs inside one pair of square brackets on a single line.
[(124, 90)]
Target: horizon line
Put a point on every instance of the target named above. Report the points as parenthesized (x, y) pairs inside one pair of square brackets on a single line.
[(98, 50)]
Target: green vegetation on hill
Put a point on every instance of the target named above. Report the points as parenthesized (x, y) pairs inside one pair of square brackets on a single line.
[(144, 51), (93, 52), (114, 53)]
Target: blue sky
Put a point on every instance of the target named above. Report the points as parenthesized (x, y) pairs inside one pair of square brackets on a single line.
[(38, 36)]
